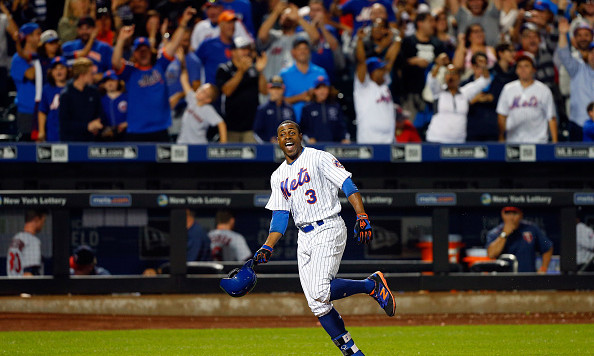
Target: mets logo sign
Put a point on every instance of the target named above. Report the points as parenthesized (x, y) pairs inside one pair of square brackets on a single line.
[(528, 237)]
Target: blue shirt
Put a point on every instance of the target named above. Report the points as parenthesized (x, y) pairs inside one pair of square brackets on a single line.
[(25, 98), (49, 105), (523, 243), (198, 244), (588, 131), (148, 100), (361, 17), (100, 53), (211, 53), (323, 121), (115, 111), (321, 53), (297, 82), (269, 116), (581, 85), (242, 8), (174, 70)]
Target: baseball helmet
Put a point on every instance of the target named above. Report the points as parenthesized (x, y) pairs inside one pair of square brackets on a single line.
[(240, 281)]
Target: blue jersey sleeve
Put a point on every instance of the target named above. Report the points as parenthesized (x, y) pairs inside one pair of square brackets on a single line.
[(18, 68), (44, 105), (194, 66), (348, 187), (279, 222), (544, 244)]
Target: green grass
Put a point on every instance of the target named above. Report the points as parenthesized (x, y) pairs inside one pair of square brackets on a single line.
[(573, 339)]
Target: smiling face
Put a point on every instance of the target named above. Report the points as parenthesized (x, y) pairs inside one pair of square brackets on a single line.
[(289, 140)]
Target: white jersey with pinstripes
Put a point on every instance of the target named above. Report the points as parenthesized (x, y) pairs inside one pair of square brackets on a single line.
[(308, 187)]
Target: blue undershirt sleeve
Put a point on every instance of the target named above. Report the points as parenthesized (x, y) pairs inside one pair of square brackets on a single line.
[(279, 222), (348, 187)]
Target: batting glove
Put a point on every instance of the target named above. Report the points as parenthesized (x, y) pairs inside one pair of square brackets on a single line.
[(263, 254), (363, 231)]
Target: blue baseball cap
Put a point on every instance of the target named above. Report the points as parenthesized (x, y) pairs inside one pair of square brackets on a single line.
[(321, 80), (545, 5), (58, 60), (140, 41), (374, 63), (28, 28), (110, 74)]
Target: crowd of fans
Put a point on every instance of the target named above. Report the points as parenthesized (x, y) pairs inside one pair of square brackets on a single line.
[(364, 71)]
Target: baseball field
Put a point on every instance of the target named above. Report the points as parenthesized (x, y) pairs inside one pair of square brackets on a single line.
[(443, 334)]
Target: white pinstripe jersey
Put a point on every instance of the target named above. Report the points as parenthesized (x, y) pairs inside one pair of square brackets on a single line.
[(308, 187)]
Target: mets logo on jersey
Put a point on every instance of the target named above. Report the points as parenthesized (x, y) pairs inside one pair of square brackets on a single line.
[(338, 164), (302, 178), (528, 236)]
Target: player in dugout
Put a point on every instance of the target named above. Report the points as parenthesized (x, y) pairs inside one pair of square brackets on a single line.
[(306, 185)]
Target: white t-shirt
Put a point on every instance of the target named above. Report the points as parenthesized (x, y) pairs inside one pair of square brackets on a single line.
[(448, 125), (585, 243), (196, 121), (24, 252), (308, 187), (528, 111), (374, 107), (230, 245)]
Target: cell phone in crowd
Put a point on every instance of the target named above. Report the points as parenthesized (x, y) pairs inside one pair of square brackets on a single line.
[(125, 13)]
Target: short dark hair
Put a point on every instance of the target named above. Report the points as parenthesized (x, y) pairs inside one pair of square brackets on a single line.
[(590, 106), (223, 216), (289, 122), (421, 17), (31, 214), (476, 55), (502, 47)]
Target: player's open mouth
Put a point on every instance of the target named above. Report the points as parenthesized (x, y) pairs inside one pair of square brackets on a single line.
[(289, 144)]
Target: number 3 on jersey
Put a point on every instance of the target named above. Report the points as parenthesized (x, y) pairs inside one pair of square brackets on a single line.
[(312, 196)]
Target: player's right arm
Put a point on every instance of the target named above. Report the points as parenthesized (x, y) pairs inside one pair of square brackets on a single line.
[(278, 226)]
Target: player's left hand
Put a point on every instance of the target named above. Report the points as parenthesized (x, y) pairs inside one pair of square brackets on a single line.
[(263, 254), (363, 231)]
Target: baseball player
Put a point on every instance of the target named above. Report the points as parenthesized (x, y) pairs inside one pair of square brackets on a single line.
[(24, 253), (306, 185), (526, 108), (226, 244)]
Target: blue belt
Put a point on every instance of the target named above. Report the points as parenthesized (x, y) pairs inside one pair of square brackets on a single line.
[(310, 227)]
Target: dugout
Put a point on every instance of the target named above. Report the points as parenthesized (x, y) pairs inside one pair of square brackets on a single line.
[(410, 189)]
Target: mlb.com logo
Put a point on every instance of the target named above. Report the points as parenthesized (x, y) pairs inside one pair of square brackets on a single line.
[(162, 200), (108, 200)]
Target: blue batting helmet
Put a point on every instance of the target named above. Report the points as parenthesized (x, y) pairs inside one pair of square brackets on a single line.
[(240, 281)]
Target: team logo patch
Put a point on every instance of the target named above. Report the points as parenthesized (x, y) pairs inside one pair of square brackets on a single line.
[(528, 236), (123, 106), (338, 164)]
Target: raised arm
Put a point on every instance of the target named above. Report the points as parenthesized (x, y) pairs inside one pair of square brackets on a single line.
[(172, 45), (263, 32), (118, 50), (360, 56), (392, 53)]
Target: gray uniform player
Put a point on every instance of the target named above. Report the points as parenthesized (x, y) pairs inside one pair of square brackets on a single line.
[(306, 185), (226, 244), (23, 257)]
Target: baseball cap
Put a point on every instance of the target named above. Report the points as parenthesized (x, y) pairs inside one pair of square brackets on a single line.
[(87, 20), (523, 55), (276, 82), (401, 114), (299, 40), (109, 74), (321, 80), (227, 15), (582, 26), (210, 3), (545, 5), (374, 63), (528, 26), (28, 28), (49, 36), (511, 209), (241, 42), (58, 60), (83, 255), (140, 41)]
